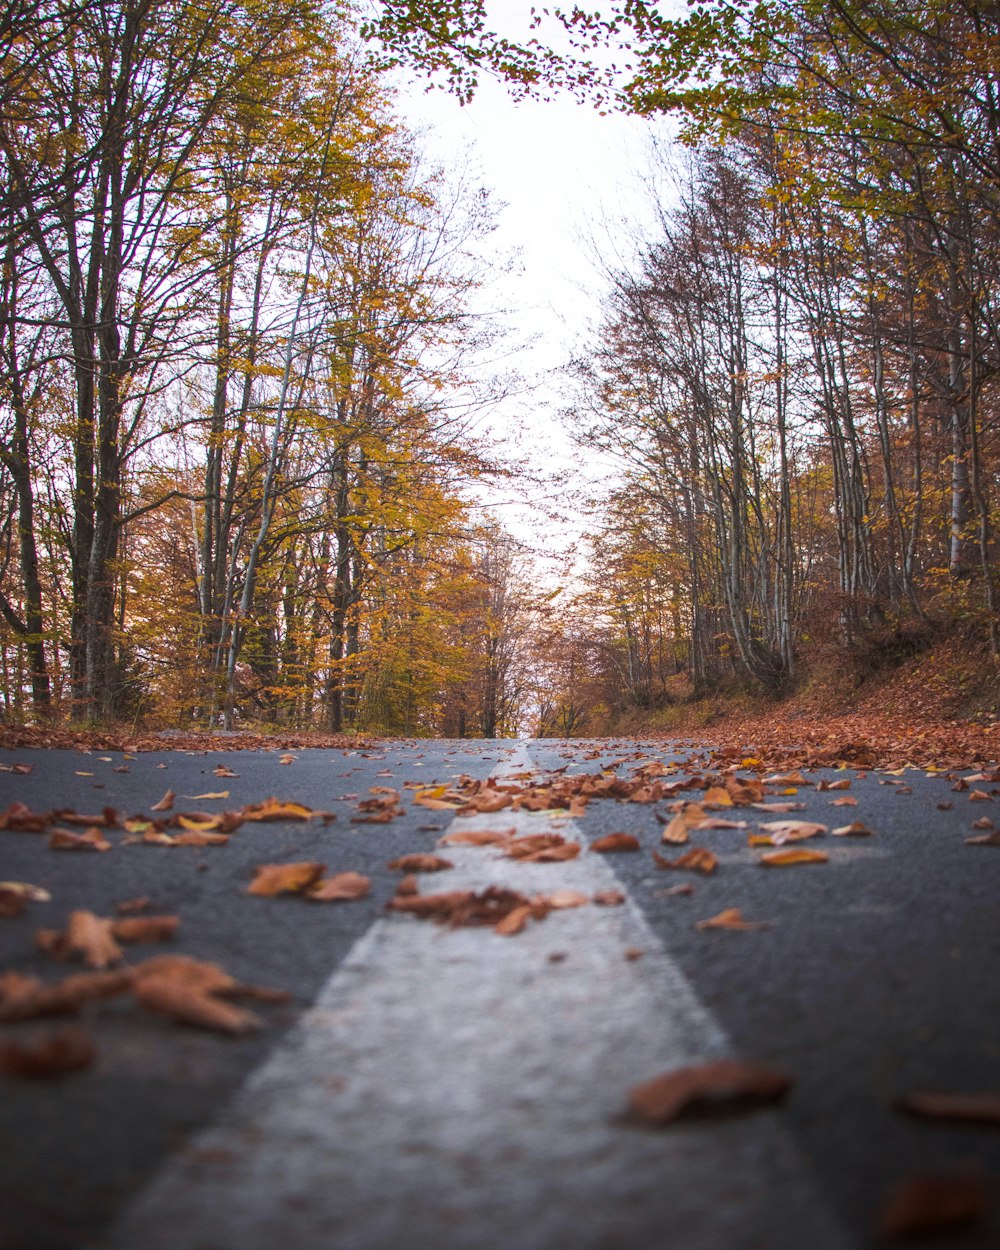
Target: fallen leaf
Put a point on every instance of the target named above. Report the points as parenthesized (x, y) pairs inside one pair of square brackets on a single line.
[(420, 861), (717, 822), (682, 889), (716, 796), (53, 1054), (189, 1005), (408, 887), (720, 1083), (676, 832), (273, 879), (20, 818), (783, 807), (165, 804), (213, 794), (342, 887), (698, 859), (615, 842), (559, 900), (609, 898), (744, 792), (632, 953), (464, 907), (782, 831), (131, 905), (847, 801), (514, 922), (787, 859), (983, 822), (977, 1108), (541, 848), (843, 784), (24, 998), (476, 837), (145, 928), (287, 759), (731, 918), (66, 840), (856, 829), (222, 771), (31, 893), (985, 839), (979, 796), (277, 809), (89, 937), (928, 1202)]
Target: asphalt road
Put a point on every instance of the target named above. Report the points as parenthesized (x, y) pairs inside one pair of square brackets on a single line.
[(876, 976)]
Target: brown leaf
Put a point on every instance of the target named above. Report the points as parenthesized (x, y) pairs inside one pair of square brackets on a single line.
[(541, 848), (856, 829), (983, 822), (514, 921), (198, 974), (165, 804), (716, 796), (782, 831), (843, 784), (52, 1054), (984, 839), (847, 801), (615, 842), (717, 822), (222, 771), (559, 900), (698, 859), (928, 1202), (23, 998), (476, 837), (464, 907), (11, 903), (20, 818), (145, 928), (420, 861), (342, 887), (720, 1083), (278, 809), (784, 807), (609, 898), (66, 840), (981, 1108), (89, 938), (979, 796), (408, 887), (190, 1005), (107, 819), (788, 859), (731, 918), (272, 879), (676, 832), (131, 905), (744, 792)]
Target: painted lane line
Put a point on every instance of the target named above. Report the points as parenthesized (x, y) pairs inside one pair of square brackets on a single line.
[(456, 1090)]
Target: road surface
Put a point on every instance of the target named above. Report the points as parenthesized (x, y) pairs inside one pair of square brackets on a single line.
[(458, 1089)]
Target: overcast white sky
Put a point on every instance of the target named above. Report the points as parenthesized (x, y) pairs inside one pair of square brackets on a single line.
[(562, 170)]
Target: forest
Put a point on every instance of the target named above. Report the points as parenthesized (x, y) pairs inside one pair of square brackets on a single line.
[(241, 368)]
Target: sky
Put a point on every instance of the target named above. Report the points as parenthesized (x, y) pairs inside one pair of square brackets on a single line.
[(566, 175)]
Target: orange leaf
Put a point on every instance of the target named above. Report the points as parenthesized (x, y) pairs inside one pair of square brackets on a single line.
[(145, 928), (420, 862), (89, 937), (856, 829), (165, 804), (615, 842), (731, 918), (342, 887), (190, 1005), (698, 859), (278, 809), (609, 898), (676, 831), (716, 796), (721, 1082), (559, 900), (976, 1108), (928, 1202), (514, 921), (66, 840), (782, 831), (786, 859), (272, 879), (476, 837)]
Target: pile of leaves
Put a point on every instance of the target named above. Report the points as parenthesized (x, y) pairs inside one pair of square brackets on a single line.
[(19, 737)]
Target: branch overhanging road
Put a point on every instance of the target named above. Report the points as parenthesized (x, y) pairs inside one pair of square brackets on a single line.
[(457, 1088)]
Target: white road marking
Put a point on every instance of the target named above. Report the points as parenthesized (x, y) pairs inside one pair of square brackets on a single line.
[(456, 1090)]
